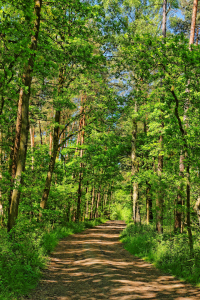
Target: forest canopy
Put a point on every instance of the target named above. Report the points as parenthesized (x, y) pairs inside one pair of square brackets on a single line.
[(99, 114)]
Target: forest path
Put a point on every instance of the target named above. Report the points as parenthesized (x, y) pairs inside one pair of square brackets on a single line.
[(94, 265)]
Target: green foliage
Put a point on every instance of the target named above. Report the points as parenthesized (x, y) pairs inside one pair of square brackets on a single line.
[(167, 252), (120, 212), (24, 253)]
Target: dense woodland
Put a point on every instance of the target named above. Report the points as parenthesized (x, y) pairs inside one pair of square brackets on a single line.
[(99, 116)]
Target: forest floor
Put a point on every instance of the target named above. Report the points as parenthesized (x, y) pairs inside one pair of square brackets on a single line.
[(94, 265)]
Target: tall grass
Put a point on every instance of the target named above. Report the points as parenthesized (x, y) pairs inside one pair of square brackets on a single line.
[(167, 252), (24, 253)]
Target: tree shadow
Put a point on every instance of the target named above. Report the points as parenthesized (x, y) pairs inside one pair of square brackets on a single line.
[(94, 265)]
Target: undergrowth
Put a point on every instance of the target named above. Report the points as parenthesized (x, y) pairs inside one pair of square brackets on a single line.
[(24, 253), (167, 252)]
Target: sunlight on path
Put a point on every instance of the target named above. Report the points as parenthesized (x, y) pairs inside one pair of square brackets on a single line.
[(94, 265)]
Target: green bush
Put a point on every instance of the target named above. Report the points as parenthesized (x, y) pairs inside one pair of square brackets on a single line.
[(24, 253), (169, 253), (119, 212)]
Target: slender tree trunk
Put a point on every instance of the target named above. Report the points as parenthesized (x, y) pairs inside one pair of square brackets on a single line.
[(193, 23), (81, 142), (197, 37), (32, 143), (87, 202), (164, 19), (47, 187), (149, 203), (178, 222), (40, 133), (78, 213), (134, 160), (22, 127), (197, 208), (97, 203), (159, 198), (187, 167), (92, 202)]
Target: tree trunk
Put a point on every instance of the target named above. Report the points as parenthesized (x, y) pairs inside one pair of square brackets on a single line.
[(22, 126), (187, 164), (134, 160), (197, 208), (46, 191), (32, 144), (193, 23), (159, 198), (47, 187), (92, 202), (78, 212), (97, 203), (178, 222), (81, 142), (40, 133), (149, 203), (164, 19)]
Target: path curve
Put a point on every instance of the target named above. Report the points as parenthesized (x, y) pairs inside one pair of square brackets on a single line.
[(93, 265)]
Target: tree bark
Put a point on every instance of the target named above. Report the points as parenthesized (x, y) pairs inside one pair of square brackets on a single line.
[(164, 19), (32, 143), (22, 127), (134, 161), (159, 198), (47, 187), (193, 23), (187, 167), (81, 142), (149, 203), (178, 222), (97, 203), (92, 202), (41, 141)]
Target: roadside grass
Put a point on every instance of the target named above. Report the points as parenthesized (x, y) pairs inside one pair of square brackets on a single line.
[(167, 252), (24, 253)]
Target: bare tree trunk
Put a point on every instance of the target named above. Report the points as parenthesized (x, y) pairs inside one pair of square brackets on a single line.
[(149, 203), (97, 203), (50, 142), (22, 127), (47, 187), (134, 160), (187, 164), (40, 133), (32, 144), (164, 19), (92, 202), (193, 23), (197, 208), (87, 204), (197, 37), (178, 222), (81, 142), (159, 198)]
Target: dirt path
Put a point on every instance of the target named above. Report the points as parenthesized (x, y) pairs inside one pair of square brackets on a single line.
[(93, 265)]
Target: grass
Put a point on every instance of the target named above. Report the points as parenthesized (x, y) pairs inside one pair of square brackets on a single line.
[(167, 252), (24, 253)]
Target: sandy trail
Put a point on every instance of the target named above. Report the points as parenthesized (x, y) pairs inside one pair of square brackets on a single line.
[(94, 265)]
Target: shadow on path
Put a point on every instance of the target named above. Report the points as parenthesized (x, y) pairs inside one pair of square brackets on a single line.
[(94, 265)]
